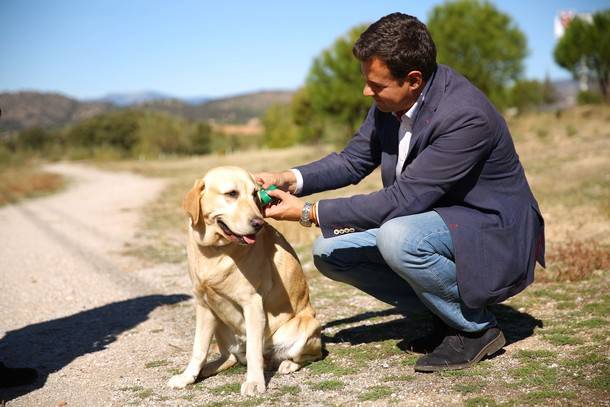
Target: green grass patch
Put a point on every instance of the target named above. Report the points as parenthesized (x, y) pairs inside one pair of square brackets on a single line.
[(480, 401), (289, 390), (328, 385), (535, 374), (562, 339), (409, 359), (144, 393), (545, 396), (600, 381), (375, 393), (542, 354), (589, 359), (601, 309), (327, 366), (592, 323), (235, 370), (466, 388), (156, 363), (226, 388)]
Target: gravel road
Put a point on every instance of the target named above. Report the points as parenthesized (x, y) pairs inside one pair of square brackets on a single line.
[(72, 306)]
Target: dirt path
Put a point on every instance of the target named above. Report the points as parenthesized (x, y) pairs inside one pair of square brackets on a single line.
[(71, 305)]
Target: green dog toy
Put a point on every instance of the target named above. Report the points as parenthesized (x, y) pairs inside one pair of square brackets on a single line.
[(265, 198)]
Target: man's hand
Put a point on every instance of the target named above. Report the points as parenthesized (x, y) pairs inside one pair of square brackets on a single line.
[(287, 207), (286, 180)]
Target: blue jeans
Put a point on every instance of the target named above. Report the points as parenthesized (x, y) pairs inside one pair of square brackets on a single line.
[(408, 262)]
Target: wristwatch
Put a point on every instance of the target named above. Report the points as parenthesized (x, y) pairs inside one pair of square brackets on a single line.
[(306, 214)]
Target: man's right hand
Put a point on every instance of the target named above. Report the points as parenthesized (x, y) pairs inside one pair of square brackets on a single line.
[(285, 180)]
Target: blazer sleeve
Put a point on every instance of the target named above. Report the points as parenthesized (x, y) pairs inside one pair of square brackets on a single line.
[(359, 158), (446, 160)]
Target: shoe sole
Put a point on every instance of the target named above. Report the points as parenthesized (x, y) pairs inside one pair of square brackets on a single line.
[(492, 347)]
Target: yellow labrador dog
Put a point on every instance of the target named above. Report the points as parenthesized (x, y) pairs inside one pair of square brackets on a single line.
[(250, 289)]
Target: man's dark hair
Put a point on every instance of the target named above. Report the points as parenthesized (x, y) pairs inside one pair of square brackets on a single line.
[(402, 42)]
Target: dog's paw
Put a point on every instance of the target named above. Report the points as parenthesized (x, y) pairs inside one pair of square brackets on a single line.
[(180, 381), (251, 388), (288, 366)]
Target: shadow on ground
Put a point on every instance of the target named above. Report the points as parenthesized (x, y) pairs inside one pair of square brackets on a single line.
[(515, 325), (51, 345)]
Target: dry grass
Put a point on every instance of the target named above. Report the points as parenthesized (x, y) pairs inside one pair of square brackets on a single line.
[(21, 182), (574, 261)]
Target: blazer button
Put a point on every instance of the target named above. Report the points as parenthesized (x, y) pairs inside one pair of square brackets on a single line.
[(351, 230), (336, 231)]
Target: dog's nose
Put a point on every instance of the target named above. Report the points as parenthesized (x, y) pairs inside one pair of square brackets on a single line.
[(257, 223)]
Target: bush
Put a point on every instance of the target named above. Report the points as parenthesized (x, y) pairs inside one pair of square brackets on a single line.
[(280, 130), (159, 133), (588, 98), (115, 129)]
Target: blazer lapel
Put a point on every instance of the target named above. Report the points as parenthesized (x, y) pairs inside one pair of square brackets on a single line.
[(429, 106)]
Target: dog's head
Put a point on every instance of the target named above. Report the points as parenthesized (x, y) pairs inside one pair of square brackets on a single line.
[(223, 207)]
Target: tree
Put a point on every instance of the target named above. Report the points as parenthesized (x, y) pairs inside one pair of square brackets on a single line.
[(280, 130), (334, 87), (481, 43), (587, 43), (201, 139)]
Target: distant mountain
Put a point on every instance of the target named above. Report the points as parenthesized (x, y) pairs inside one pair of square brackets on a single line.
[(33, 109), (128, 99), (22, 110), (234, 109)]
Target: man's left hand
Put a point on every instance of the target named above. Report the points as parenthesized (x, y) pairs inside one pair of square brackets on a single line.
[(285, 207)]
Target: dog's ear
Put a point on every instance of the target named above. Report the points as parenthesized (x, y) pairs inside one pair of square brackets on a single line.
[(192, 201)]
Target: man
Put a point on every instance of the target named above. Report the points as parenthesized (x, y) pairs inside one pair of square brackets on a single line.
[(455, 227)]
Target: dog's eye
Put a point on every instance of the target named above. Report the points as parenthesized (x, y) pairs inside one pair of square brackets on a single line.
[(232, 194)]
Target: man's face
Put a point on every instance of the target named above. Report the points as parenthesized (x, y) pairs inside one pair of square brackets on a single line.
[(390, 94)]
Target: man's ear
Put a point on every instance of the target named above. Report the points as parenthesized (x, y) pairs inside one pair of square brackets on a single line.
[(415, 79), (192, 201)]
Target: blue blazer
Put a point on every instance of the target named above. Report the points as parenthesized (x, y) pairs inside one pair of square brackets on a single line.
[(462, 164)]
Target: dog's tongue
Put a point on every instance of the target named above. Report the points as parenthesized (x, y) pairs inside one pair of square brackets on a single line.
[(250, 239)]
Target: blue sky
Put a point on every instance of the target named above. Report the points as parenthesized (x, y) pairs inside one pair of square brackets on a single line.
[(186, 48)]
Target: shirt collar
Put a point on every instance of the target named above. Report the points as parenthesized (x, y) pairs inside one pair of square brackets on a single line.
[(410, 114)]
